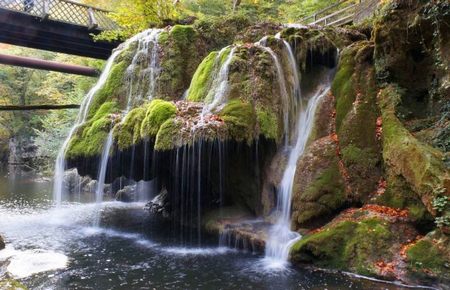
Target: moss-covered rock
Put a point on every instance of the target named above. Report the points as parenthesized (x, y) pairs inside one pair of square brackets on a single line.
[(356, 117), (88, 139), (157, 113), (319, 190), (359, 241), (420, 165), (429, 257), (182, 52), (128, 132)]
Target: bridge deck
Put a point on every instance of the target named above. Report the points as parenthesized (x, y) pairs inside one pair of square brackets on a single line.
[(55, 25)]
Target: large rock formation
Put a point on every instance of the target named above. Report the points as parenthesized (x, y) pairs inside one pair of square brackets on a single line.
[(371, 192)]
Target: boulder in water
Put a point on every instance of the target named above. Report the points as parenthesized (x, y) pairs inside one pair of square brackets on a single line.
[(127, 194), (159, 204)]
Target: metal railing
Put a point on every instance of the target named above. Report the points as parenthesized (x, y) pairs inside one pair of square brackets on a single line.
[(338, 14), (63, 11)]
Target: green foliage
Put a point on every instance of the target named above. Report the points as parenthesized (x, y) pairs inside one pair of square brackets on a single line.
[(23, 86), (440, 203), (135, 16)]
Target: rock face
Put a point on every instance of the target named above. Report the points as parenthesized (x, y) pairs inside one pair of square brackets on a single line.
[(371, 192), (2, 243), (319, 187), (390, 160)]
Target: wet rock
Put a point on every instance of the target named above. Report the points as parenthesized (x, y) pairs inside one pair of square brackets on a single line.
[(319, 189), (237, 228), (127, 194), (2, 243), (159, 204), (364, 241)]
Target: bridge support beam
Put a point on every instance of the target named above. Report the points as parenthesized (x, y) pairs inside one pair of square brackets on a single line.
[(47, 65)]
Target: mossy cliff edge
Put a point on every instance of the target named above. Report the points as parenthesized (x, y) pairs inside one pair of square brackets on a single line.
[(371, 193), (389, 157)]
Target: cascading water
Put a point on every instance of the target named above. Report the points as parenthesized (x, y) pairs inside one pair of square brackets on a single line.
[(281, 238), (144, 68), (219, 88), (102, 175), (147, 49), (144, 39), (60, 165)]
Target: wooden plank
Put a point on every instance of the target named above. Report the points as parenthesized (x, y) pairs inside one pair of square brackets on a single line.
[(39, 107)]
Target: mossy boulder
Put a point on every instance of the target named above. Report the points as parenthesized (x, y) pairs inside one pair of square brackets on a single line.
[(158, 112), (360, 241), (128, 132), (399, 194), (319, 189), (429, 258)]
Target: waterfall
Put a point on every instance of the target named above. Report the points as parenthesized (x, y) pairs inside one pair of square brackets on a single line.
[(219, 89), (144, 39), (281, 238), (147, 49), (102, 175), (60, 165), (145, 60)]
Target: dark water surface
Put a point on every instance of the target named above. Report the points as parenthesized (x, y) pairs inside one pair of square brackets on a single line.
[(131, 250)]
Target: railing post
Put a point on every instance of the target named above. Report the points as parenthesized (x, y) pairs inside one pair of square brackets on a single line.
[(92, 21), (45, 10)]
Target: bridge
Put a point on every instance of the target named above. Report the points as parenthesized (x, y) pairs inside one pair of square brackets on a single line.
[(55, 25), (342, 12)]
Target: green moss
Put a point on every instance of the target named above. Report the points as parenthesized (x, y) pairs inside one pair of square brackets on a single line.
[(168, 136), (353, 155), (324, 195), (268, 123), (420, 165), (201, 81), (424, 255), (157, 113), (10, 284), (181, 55), (127, 133), (240, 119), (347, 245), (88, 140), (111, 90)]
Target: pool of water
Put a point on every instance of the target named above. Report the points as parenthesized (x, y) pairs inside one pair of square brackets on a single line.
[(59, 248)]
